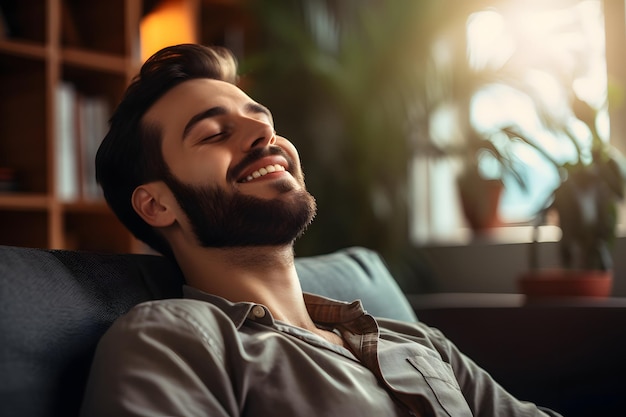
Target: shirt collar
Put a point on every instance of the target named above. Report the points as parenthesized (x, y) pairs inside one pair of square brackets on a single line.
[(322, 309), (326, 310)]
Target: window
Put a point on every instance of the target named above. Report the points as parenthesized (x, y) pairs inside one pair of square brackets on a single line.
[(517, 63)]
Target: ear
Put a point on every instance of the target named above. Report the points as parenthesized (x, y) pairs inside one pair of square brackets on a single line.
[(151, 205)]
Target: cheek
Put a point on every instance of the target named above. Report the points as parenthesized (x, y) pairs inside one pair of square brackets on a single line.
[(289, 148), (199, 167)]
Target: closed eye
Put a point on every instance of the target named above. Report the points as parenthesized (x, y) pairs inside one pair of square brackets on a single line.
[(215, 137)]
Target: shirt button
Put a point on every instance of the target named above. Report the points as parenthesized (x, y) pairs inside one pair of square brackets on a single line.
[(258, 311)]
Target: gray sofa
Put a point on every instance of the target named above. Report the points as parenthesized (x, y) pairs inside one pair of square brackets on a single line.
[(55, 305)]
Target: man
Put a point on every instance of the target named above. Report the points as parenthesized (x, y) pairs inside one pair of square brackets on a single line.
[(194, 167)]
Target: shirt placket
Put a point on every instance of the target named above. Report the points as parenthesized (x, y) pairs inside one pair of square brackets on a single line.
[(362, 336)]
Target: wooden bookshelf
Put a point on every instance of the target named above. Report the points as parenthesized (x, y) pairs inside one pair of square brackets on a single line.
[(93, 46)]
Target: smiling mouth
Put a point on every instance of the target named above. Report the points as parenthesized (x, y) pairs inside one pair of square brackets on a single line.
[(263, 171)]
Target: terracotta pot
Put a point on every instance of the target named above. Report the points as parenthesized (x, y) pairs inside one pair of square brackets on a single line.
[(480, 200), (566, 283)]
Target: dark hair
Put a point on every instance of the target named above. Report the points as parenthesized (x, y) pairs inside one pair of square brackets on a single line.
[(130, 153)]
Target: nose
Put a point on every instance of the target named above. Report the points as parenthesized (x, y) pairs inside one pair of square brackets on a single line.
[(257, 134)]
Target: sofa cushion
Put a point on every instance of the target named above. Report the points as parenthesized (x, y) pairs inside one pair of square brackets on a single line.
[(355, 273), (55, 305)]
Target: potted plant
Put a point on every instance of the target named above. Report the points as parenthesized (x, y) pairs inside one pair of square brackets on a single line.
[(585, 202), (484, 153), (488, 159)]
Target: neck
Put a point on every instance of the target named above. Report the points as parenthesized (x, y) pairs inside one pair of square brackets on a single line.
[(264, 275)]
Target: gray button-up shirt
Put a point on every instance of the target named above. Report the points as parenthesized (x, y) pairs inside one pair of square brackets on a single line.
[(206, 356)]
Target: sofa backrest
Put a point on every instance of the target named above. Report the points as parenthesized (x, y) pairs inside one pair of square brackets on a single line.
[(55, 305)]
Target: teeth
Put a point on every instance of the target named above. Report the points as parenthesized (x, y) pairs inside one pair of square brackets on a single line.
[(263, 171)]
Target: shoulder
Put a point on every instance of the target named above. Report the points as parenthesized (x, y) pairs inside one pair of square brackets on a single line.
[(173, 319), (172, 311), (175, 309), (164, 357)]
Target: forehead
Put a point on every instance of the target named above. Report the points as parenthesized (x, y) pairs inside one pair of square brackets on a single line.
[(187, 98)]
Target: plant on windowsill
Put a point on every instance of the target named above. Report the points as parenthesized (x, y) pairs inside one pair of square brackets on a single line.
[(480, 199), (480, 191), (586, 204)]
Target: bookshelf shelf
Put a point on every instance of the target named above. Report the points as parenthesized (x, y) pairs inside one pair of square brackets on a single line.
[(24, 201), (95, 60), (96, 207), (23, 48)]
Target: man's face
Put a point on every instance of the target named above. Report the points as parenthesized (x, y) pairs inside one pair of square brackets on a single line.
[(237, 183)]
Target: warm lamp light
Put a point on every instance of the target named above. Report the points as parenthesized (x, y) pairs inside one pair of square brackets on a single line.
[(170, 23)]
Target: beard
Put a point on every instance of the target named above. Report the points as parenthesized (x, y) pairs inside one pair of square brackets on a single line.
[(221, 218)]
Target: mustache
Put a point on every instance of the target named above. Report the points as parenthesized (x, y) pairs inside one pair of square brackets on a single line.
[(235, 172)]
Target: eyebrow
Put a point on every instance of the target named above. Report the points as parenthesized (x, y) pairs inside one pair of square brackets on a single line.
[(219, 111)]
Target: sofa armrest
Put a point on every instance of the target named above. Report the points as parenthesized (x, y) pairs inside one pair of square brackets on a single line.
[(565, 354)]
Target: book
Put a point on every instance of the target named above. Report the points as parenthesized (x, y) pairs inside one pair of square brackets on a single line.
[(93, 126), (65, 162), (82, 123)]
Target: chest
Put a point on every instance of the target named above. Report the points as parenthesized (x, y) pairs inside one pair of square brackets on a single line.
[(293, 379), (292, 376)]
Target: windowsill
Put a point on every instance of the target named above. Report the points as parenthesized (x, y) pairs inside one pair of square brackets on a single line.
[(505, 235), (498, 236)]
